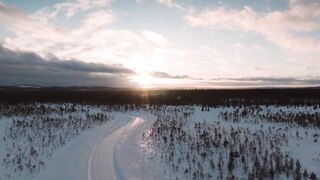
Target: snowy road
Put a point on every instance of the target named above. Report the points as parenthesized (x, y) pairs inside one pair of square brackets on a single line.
[(92, 155), (102, 164)]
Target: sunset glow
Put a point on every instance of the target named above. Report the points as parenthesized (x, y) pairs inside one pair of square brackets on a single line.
[(160, 43), (145, 81)]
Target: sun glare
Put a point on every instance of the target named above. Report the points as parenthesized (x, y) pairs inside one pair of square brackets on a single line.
[(144, 80)]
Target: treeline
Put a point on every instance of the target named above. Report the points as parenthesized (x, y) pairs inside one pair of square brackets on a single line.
[(217, 97)]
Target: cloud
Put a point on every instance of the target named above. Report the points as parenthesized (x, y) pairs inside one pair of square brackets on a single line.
[(279, 27), (72, 7), (184, 81), (170, 76), (171, 4), (93, 40), (37, 26), (20, 23), (96, 40), (155, 38), (262, 82), (29, 68)]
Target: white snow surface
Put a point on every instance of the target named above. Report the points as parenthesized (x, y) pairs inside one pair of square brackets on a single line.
[(92, 155), (114, 150)]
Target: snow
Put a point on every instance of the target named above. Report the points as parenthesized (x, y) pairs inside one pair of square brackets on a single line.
[(92, 156), (102, 163), (172, 145), (132, 158), (73, 161), (124, 149)]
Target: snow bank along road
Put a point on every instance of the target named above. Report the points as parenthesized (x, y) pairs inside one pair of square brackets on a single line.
[(102, 164)]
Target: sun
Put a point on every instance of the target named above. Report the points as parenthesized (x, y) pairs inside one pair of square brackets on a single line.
[(144, 80)]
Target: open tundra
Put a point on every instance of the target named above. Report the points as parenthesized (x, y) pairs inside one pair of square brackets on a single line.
[(76, 141)]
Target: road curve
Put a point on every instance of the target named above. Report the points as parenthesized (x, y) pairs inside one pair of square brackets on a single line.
[(102, 164)]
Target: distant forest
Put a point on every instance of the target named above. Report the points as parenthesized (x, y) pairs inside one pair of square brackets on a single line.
[(216, 97)]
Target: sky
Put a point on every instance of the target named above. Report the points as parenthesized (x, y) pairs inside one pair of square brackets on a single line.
[(160, 43)]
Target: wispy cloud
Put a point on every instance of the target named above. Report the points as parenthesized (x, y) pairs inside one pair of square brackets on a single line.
[(170, 76), (278, 27), (262, 82), (88, 37), (21, 24), (171, 4), (72, 7), (93, 40)]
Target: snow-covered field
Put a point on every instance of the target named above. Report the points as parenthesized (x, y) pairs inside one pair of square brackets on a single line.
[(230, 143), (73, 141)]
